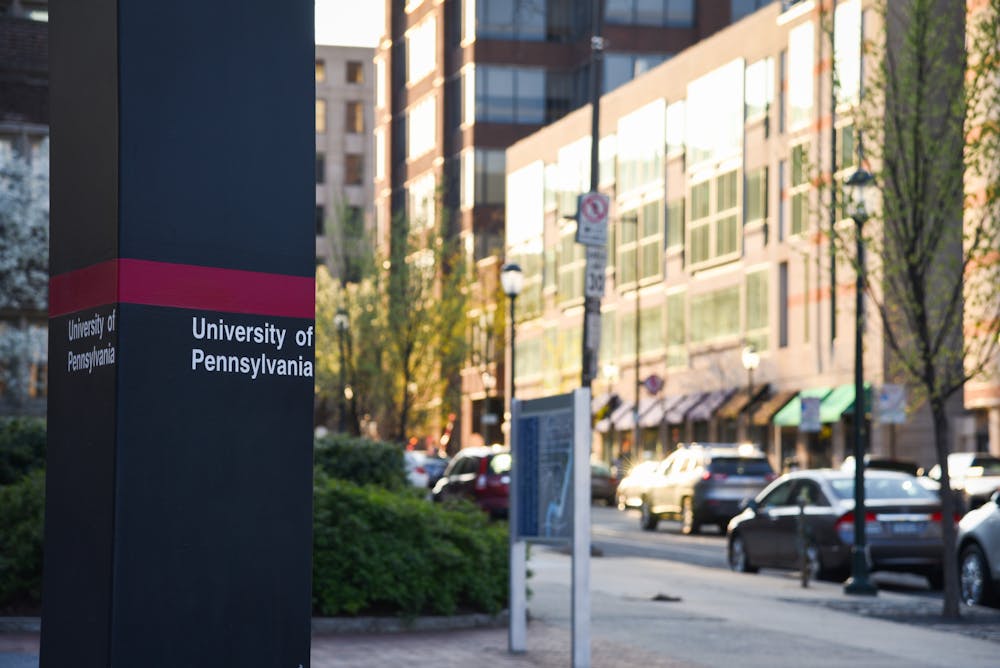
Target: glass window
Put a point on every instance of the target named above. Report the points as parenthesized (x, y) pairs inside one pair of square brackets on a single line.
[(759, 91), (320, 115), (799, 189), (421, 202), (353, 169), (355, 72), (660, 13), (779, 496), (354, 118), (651, 330), (620, 68), (756, 194), (420, 46), (490, 176), (320, 220), (421, 127), (641, 148), (511, 19), (801, 59), (715, 315), (847, 50), (740, 8), (508, 94), (883, 488), (757, 309), (715, 115), (676, 330), (320, 70), (675, 223), (714, 228), (320, 167), (572, 262)]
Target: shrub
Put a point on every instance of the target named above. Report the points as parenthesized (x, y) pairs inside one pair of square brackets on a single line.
[(22, 447), (377, 552), (22, 507), (360, 460)]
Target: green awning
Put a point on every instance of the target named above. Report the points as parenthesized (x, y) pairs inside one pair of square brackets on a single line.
[(841, 401), (791, 414)]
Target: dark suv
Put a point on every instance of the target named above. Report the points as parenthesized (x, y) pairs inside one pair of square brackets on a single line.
[(704, 483), (480, 475)]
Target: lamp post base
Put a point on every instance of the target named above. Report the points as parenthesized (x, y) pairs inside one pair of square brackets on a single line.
[(860, 584)]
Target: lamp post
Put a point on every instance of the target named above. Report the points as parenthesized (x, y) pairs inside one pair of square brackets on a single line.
[(751, 360), (341, 323), (512, 280), (859, 188)]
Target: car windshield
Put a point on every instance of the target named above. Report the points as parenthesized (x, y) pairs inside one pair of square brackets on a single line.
[(500, 463), (879, 488), (740, 466), (984, 466)]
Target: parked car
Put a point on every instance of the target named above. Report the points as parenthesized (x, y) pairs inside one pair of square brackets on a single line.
[(635, 482), (979, 554), (435, 466), (701, 483), (603, 483), (415, 471), (480, 475), (882, 464), (974, 475), (902, 525)]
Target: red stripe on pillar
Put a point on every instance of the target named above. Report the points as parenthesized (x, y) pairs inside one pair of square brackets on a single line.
[(182, 286)]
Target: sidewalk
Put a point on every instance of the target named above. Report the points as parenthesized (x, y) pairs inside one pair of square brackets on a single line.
[(702, 618)]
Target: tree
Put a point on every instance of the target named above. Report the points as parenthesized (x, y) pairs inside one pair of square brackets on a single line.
[(24, 273), (406, 337), (928, 126)]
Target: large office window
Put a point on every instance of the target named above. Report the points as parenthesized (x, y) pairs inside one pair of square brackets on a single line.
[(421, 202), (522, 20), (355, 72), (759, 88), (620, 68), (801, 59), (847, 50), (353, 169), (713, 231), (676, 329), (572, 262), (320, 167), (740, 8), (641, 231), (641, 145), (675, 223), (508, 94), (421, 126), (756, 195), (483, 175), (420, 47), (715, 315), (715, 115), (672, 13), (757, 309), (798, 193)]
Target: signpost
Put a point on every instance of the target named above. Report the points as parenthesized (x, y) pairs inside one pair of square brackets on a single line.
[(550, 503), (592, 219), (892, 404)]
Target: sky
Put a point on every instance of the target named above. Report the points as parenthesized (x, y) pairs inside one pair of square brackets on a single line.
[(349, 22)]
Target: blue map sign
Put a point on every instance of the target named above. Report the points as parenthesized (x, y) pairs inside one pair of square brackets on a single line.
[(543, 469)]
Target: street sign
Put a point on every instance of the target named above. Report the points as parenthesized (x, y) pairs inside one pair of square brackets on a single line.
[(892, 404), (810, 414), (653, 383), (592, 219), (597, 263)]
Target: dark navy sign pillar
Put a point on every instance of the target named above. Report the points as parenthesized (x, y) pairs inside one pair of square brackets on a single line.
[(179, 489)]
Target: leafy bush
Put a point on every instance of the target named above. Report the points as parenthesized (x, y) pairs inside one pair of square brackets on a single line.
[(22, 447), (377, 552), (22, 507), (360, 461)]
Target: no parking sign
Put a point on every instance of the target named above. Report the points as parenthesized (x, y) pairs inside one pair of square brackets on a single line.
[(592, 219)]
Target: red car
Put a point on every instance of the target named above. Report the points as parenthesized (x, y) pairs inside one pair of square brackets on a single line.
[(480, 475)]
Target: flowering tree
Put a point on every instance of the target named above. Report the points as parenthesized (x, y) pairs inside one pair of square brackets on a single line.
[(24, 273)]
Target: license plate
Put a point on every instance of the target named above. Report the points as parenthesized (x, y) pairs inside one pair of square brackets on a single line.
[(907, 528)]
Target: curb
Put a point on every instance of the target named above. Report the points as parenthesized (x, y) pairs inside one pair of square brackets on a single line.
[(333, 625)]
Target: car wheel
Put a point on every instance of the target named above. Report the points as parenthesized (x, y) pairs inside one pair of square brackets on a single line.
[(647, 519), (975, 586), (689, 523), (739, 560)]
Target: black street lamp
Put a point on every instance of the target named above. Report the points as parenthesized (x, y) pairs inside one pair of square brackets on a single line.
[(512, 281), (859, 189), (341, 322), (751, 360)]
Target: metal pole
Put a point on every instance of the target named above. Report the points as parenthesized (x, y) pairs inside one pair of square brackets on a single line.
[(342, 422), (860, 583), (749, 403), (513, 350), (636, 434)]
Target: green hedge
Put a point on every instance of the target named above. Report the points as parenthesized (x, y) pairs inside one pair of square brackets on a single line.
[(22, 447), (361, 461), (22, 507), (376, 552)]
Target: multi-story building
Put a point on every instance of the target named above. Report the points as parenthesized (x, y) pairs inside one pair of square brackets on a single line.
[(345, 85), (713, 163), (458, 81)]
